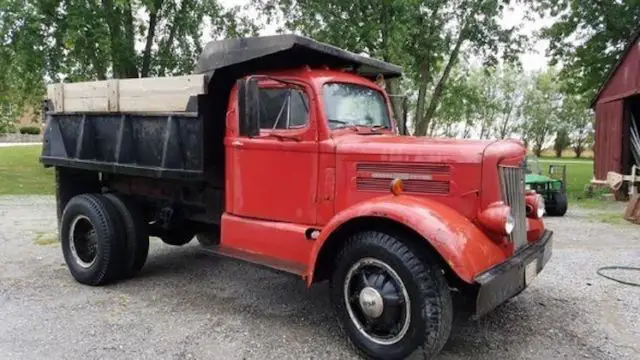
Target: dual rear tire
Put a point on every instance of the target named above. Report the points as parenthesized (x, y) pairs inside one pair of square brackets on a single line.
[(104, 238)]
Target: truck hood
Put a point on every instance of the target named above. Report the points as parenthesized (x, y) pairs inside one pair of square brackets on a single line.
[(413, 149)]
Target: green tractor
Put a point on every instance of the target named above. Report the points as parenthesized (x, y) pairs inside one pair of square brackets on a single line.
[(551, 187)]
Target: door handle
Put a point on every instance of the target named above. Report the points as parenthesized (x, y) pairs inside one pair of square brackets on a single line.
[(236, 143)]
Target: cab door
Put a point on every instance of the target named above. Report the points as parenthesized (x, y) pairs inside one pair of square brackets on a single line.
[(273, 176)]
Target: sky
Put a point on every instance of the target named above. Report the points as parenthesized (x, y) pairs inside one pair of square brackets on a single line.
[(532, 60)]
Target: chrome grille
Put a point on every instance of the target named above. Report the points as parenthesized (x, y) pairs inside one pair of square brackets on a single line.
[(512, 184)]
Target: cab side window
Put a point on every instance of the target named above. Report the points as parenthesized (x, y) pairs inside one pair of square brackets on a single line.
[(283, 108)]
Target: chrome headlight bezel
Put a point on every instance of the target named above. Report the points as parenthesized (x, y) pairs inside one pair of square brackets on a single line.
[(540, 206), (509, 223)]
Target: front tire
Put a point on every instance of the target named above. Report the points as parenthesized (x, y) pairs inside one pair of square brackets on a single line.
[(92, 239), (389, 301)]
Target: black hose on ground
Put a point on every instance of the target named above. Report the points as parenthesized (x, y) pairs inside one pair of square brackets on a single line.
[(599, 272)]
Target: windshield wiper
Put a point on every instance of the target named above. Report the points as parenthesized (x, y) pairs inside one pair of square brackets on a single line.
[(344, 124), (375, 128)]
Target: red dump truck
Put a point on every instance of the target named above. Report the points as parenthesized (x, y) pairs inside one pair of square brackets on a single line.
[(283, 151)]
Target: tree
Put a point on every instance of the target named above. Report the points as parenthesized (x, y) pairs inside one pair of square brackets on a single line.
[(561, 142), (426, 37), (542, 100), (90, 40), (480, 102), (456, 112), (511, 86), (456, 25), (588, 37), (579, 119)]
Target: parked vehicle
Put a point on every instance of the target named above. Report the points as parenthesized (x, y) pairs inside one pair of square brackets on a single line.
[(552, 187), (283, 151)]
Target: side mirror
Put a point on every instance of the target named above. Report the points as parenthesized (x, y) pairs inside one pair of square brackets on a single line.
[(248, 107)]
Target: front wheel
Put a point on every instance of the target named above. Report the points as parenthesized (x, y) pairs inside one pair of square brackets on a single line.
[(388, 300)]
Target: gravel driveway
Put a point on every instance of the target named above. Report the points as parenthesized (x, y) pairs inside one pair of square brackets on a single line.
[(187, 305)]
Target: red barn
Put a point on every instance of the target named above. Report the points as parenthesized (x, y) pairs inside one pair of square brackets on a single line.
[(617, 108)]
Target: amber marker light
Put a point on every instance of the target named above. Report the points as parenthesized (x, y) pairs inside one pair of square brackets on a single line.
[(397, 187)]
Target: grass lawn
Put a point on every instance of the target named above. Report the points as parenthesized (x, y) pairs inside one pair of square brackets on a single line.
[(579, 174), (568, 153), (22, 174)]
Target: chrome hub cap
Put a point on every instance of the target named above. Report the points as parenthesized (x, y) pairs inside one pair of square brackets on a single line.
[(377, 301), (371, 302), (83, 242)]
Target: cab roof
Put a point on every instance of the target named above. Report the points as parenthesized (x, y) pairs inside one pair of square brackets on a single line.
[(242, 56)]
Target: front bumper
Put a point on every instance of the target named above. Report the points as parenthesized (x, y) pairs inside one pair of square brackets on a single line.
[(508, 279)]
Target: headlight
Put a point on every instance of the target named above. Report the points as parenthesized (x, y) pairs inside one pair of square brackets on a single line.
[(509, 224), (540, 211), (534, 205), (497, 218)]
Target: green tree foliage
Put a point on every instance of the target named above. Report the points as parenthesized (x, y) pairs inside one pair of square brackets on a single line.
[(542, 101), (561, 142), (96, 39), (587, 37), (426, 37), (457, 112), (579, 121), (480, 102)]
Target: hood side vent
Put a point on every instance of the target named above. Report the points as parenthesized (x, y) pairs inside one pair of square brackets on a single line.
[(427, 169), (417, 178)]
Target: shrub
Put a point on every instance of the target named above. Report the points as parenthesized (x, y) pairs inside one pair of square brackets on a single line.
[(31, 130), (6, 126)]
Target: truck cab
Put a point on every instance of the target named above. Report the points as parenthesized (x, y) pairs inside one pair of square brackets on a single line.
[(289, 157)]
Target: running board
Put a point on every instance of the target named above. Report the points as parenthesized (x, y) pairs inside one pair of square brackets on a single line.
[(286, 266)]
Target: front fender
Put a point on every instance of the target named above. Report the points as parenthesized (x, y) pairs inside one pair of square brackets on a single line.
[(461, 244)]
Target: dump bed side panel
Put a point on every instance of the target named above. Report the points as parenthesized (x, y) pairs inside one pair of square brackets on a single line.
[(156, 94), (150, 145)]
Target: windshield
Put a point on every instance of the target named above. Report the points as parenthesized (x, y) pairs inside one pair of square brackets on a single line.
[(354, 105)]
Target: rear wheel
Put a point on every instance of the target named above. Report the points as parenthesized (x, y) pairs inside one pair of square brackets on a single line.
[(92, 239), (558, 205), (388, 300), (137, 236)]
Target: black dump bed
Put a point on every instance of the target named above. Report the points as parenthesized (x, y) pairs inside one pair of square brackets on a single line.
[(187, 145)]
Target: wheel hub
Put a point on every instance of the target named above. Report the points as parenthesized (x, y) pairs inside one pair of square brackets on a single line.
[(83, 241), (377, 301), (371, 302)]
